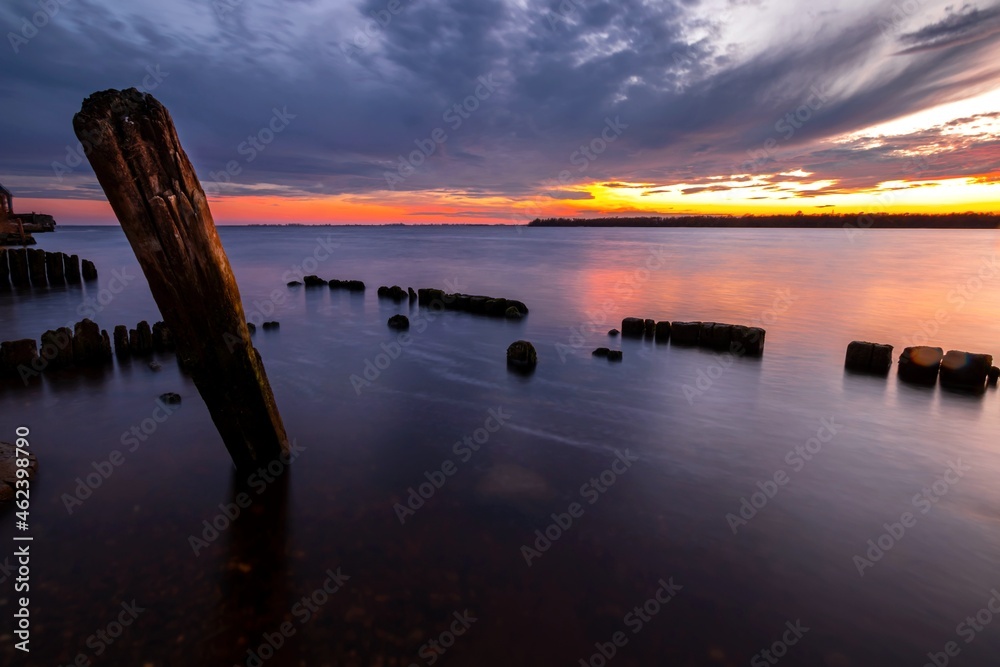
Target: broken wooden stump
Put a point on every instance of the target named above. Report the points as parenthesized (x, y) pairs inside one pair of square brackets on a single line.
[(57, 348), (18, 267), (36, 267), (633, 327), (89, 271), (155, 193), (71, 267), (920, 365), (54, 266), (866, 357), (965, 370)]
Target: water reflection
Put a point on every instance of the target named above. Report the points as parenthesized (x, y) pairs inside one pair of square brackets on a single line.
[(254, 584)]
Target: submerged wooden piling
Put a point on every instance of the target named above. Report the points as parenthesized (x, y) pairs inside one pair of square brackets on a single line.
[(36, 267), (156, 196), (18, 267), (4, 269)]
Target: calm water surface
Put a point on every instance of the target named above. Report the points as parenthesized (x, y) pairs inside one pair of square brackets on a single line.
[(706, 431)]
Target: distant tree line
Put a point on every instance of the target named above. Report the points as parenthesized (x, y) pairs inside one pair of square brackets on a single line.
[(967, 220)]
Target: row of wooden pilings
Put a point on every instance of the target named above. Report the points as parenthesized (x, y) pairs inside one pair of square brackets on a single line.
[(23, 267)]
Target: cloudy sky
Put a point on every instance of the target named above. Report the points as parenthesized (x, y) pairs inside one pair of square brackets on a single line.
[(503, 110)]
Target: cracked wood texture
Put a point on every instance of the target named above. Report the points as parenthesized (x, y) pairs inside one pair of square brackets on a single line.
[(155, 193)]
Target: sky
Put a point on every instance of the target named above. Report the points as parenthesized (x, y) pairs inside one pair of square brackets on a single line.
[(500, 111)]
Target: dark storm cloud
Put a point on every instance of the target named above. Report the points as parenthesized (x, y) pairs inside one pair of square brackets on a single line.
[(361, 94), (969, 24)]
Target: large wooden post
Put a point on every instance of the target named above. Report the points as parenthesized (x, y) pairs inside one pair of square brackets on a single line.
[(156, 196)]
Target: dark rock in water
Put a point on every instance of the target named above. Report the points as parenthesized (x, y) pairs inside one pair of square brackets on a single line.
[(163, 338), (57, 348), (427, 296), (633, 327), (170, 398), (859, 355), (497, 307), (881, 360), (412, 293), (705, 334), (513, 313), (36, 267), (748, 341), (601, 352), (350, 285), (140, 340), (965, 370), (89, 270), (649, 328), (614, 332), (55, 268), (662, 332), (477, 304), (396, 293), (521, 308), (866, 357), (685, 333), (18, 357), (313, 281), (614, 355), (154, 365), (88, 344), (71, 267), (271, 325), (993, 376), (122, 349), (920, 365), (401, 322), (521, 354), (294, 283), (251, 327), (721, 337)]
